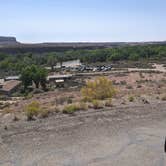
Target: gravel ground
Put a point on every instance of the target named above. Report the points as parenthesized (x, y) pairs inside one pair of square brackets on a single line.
[(128, 136)]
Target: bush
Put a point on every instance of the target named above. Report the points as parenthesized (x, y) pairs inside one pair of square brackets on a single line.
[(28, 96), (99, 89), (97, 104), (108, 103), (129, 87), (15, 119), (8, 110), (83, 106), (44, 113), (70, 109), (123, 82), (32, 110), (3, 97), (141, 75), (163, 98), (69, 101), (131, 98), (62, 100)]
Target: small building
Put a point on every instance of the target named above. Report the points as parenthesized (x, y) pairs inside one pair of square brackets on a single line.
[(2, 80), (9, 87), (59, 80), (59, 77), (73, 64), (59, 83), (12, 78)]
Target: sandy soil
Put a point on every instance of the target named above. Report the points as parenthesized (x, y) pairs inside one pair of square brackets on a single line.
[(128, 134), (151, 86)]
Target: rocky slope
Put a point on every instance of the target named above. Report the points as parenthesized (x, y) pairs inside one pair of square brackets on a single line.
[(7, 40)]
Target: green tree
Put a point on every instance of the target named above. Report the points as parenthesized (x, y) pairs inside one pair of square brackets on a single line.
[(26, 77), (43, 76), (134, 57), (52, 61), (34, 74)]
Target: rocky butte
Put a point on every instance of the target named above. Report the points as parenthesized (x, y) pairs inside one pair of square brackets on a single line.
[(7, 40)]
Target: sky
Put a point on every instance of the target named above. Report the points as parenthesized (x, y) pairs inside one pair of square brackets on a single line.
[(34, 21)]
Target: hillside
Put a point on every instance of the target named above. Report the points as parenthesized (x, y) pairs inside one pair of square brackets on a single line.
[(7, 41), (10, 45)]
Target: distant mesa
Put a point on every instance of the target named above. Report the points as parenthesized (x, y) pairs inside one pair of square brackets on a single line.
[(7, 40), (12, 46)]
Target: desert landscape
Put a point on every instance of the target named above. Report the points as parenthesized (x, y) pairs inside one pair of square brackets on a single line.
[(83, 83), (126, 129)]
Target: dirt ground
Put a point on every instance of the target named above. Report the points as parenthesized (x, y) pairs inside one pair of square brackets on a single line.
[(142, 86), (128, 133), (122, 136)]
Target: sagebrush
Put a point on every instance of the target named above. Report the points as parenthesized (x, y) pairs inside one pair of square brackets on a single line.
[(32, 110), (99, 89)]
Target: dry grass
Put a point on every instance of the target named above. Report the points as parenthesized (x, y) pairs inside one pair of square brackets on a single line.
[(98, 89), (71, 108), (32, 110), (96, 104), (108, 103), (8, 110)]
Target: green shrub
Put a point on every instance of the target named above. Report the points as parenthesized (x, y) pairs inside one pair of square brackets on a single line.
[(131, 98), (28, 96), (70, 109), (32, 110), (99, 89), (3, 97), (97, 104)]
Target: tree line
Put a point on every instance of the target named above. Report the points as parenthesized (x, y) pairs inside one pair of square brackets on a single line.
[(14, 64)]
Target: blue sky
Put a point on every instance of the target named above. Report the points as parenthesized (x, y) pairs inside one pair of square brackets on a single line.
[(83, 20)]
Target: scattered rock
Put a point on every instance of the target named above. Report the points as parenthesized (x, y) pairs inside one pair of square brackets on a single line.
[(15, 119), (7, 118), (6, 128), (145, 101)]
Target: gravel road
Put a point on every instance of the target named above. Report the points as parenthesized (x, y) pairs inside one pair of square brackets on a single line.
[(129, 136)]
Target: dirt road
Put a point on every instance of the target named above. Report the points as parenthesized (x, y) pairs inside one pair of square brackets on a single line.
[(130, 136)]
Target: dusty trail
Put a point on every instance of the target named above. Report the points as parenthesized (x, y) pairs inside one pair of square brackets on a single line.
[(123, 136)]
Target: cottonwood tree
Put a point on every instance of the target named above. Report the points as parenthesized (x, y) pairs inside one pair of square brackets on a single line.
[(52, 61), (34, 74)]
